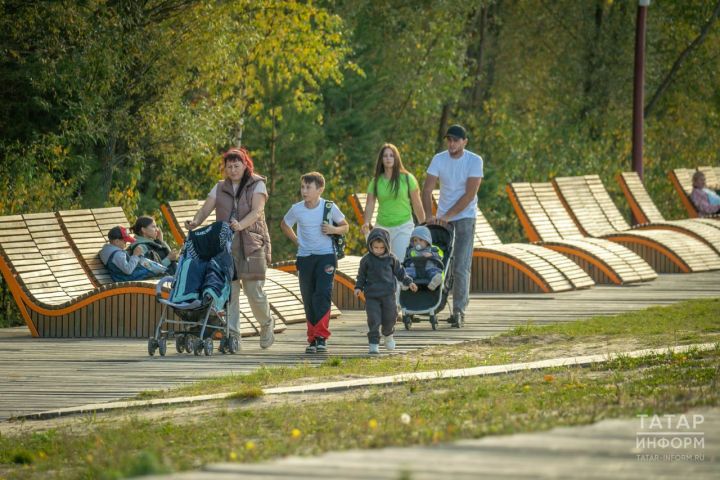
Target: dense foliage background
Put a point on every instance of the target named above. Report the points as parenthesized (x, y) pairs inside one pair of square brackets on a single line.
[(130, 102)]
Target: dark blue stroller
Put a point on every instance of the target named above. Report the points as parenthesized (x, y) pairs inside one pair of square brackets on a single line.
[(425, 301), (199, 295)]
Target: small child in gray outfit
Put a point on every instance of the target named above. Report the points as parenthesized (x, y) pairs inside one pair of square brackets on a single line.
[(377, 278), (421, 246)]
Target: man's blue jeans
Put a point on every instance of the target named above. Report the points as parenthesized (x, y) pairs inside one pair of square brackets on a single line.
[(464, 236)]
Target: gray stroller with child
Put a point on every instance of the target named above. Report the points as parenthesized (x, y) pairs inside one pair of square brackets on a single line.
[(199, 295), (414, 306)]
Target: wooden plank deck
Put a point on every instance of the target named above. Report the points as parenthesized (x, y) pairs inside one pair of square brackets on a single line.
[(43, 374)]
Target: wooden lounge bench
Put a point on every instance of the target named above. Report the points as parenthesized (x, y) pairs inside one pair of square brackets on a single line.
[(54, 294), (681, 179), (86, 231), (649, 217), (178, 212), (546, 221), (592, 209), (281, 287), (515, 267)]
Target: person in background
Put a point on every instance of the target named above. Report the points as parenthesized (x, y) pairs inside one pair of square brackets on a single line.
[(706, 201), (122, 266), (150, 239), (397, 194)]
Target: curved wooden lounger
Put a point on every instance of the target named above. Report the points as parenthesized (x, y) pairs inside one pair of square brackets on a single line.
[(596, 215), (649, 217), (53, 292), (545, 220), (681, 179), (177, 212), (86, 231), (513, 267), (487, 245), (282, 288)]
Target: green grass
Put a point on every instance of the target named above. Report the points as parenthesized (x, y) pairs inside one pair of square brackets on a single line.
[(687, 322), (437, 411)]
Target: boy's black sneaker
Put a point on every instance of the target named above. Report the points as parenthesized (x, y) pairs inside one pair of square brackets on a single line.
[(320, 345), (312, 347)]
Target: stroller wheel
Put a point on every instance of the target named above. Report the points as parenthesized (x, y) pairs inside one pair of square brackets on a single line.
[(233, 344), (433, 322), (189, 344), (162, 346), (407, 321), (208, 346), (152, 346), (180, 343)]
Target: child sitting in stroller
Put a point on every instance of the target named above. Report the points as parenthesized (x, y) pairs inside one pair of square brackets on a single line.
[(423, 260)]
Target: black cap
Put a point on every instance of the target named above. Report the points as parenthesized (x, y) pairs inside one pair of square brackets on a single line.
[(456, 131)]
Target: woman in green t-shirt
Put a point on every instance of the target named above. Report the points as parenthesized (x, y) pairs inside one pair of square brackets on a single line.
[(398, 196)]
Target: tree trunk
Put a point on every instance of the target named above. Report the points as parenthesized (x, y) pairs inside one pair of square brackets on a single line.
[(684, 55), (442, 127)]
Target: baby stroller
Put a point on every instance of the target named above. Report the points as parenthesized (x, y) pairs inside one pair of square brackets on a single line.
[(425, 301), (199, 295)]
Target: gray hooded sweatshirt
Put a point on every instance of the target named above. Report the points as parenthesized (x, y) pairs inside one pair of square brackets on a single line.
[(377, 274), (123, 260)]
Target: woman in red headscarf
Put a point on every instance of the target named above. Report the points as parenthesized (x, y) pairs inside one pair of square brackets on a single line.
[(240, 200)]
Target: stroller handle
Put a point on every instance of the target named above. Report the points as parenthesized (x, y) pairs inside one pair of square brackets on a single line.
[(159, 286)]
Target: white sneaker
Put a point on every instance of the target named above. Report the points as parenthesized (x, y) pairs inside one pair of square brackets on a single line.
[(390, 342), (435, 282), (374, 349), (267, 334)]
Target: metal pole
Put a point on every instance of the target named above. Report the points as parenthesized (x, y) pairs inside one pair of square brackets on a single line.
[(638, 92)]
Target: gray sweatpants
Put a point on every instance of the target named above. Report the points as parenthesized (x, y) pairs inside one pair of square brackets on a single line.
[(381, 311)]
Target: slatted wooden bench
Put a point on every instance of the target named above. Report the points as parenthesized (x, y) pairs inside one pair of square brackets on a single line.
[(513, 267), (86, 231), (358, 201), (681, 179), (281, 287), (649, 217), (54, 294), (594, 212), (545, 221), (520, 264), (178, 212)]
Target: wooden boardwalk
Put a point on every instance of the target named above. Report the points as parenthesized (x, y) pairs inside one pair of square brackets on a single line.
[(607, 449), (44, 374)]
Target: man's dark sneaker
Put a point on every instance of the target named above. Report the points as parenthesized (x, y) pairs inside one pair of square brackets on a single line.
[(312, 347), (458, 320), (320, 345)]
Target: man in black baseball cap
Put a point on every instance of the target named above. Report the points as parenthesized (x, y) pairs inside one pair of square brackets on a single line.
[(459, 172), (456, 131)]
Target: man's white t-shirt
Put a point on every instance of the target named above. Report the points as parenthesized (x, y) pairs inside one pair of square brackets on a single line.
[(453, 174), (311, 240)]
